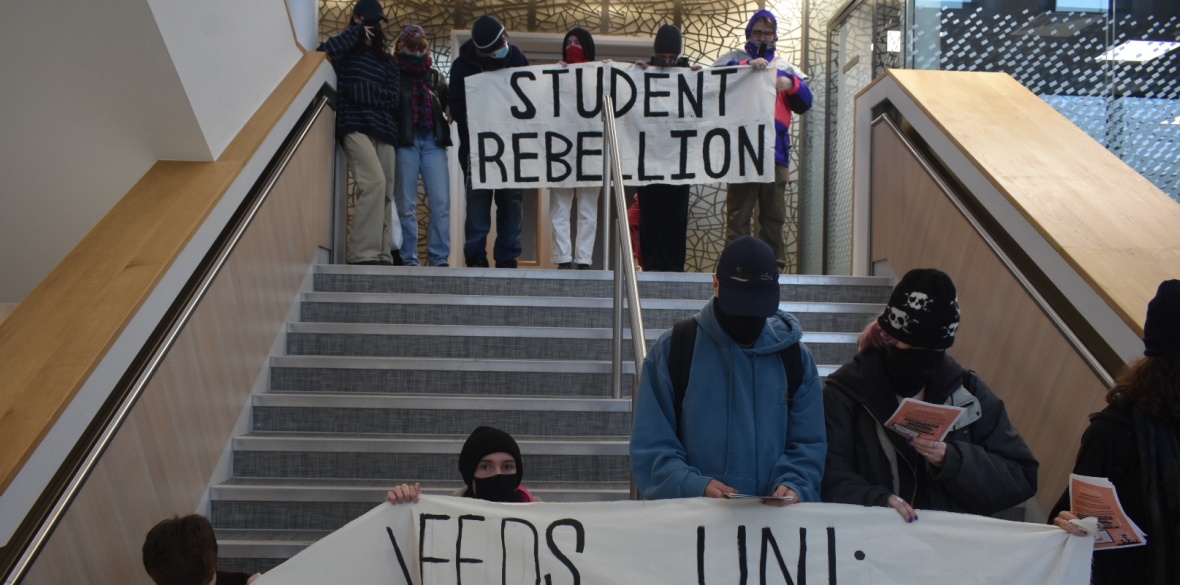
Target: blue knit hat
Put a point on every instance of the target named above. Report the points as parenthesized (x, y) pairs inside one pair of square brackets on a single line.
[(485, 32)]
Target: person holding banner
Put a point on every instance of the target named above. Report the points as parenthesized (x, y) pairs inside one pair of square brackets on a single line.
[(491, 468), (729, 402), (1135, 443), (486, 50), (793, 97), (366, 125), (663, 209), (578, 47), (983, 466), (422, 149)]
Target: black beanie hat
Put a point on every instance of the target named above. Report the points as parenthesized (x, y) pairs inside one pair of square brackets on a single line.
[(1161, 332), (923, 310), (483, 442), (584, 37), (485, 32), (668, 40)]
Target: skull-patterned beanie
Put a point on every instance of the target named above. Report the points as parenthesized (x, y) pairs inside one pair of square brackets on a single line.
[(923, 310)]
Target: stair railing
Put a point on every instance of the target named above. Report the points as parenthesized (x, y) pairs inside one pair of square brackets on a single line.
[(624, 265)]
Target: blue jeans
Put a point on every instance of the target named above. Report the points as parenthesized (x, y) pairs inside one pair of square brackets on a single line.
[(509, 215), (429, 160)]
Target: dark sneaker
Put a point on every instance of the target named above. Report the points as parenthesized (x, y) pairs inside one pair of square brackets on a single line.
[(565, 266), (476, 261), (506, 263), (370, 263), (397, 258), (583, 267)]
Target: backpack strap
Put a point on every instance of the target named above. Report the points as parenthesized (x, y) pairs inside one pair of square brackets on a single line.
[(792, 357), (684, 337)]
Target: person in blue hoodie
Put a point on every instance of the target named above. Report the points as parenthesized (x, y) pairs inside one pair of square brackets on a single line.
[(738, 429), (793, 97), (487, 50)]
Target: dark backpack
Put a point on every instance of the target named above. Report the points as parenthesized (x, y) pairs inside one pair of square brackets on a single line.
[(684, 337)]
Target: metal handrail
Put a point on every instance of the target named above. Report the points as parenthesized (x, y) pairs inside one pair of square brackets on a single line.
[(1013, 268), (624, 268), (141, 372)]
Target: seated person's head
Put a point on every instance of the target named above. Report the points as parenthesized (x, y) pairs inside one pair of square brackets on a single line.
[(181, 551), (490, 465)]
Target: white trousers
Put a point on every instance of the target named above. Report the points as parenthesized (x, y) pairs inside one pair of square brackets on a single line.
[(560, 201)]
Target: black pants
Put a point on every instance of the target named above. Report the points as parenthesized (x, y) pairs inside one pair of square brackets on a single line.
[(663, 226)]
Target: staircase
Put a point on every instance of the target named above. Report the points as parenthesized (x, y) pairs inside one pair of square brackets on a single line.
[(389, 369)]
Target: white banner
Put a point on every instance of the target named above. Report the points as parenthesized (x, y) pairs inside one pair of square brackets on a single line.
[(446, 540), (542, 126)]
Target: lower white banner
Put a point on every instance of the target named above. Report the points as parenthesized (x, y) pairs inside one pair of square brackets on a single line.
[(445, 540)]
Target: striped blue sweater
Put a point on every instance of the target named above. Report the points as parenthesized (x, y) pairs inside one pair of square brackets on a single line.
[(366, 87)]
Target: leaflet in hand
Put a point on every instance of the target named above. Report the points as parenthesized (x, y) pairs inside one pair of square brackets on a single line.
[(921, 420), (733, 496), (1096, 496)]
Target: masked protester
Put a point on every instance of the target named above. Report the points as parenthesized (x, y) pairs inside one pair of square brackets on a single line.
[(487, 50), (491, 468), (663, 209), (578, 47), (982, 467), (792, 97), (1135, 443), (367, 95), (422, 149)]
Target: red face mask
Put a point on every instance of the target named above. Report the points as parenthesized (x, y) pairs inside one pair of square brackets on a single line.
[(575, 54)]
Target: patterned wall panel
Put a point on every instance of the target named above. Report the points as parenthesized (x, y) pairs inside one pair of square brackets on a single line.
[(1131, 107), (710, 28)]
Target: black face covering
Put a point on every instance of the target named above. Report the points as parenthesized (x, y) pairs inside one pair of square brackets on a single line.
[(497, 488), (743, 330), (910, 369)]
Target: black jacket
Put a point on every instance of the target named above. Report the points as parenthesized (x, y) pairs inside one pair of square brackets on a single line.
[(988, 466), (470, 63), (1111, 450), (438, 102)]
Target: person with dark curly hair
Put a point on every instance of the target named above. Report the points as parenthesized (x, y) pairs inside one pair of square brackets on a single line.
[(183, 551), (1135, 443)]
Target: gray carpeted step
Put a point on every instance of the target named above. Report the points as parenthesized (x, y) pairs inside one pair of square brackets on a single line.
[(454, 415), (330, 504), (561, 283), (523, 343), (305, 455), (443, 376), (558, 312)]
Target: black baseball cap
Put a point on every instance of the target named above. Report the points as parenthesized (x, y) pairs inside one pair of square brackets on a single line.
[(747, 276)]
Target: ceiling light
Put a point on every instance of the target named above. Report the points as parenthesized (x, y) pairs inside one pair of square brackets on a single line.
[(1139, 51)]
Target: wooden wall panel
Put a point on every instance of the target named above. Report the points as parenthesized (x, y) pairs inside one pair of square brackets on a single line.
[(1004, 336), (59, 334), (163, 456), (6, 309)]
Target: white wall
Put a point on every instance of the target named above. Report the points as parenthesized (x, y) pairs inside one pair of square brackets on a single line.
[(93, 93), (229, 54), (305, 17)]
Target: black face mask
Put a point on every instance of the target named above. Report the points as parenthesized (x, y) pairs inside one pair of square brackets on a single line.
[(497, 488), (910, 369), (743, 330)]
